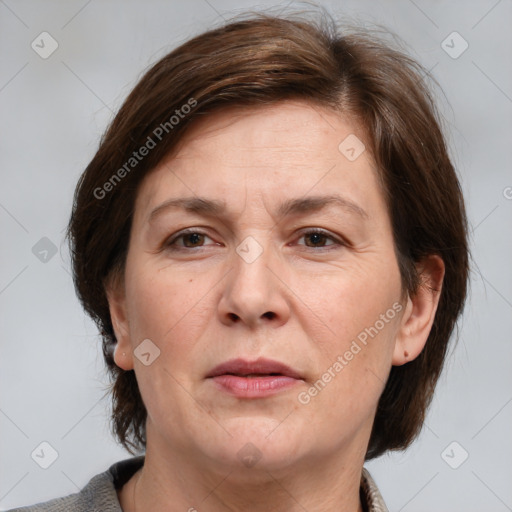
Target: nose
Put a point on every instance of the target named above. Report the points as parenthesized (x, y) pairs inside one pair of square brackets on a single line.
[(255, 293)]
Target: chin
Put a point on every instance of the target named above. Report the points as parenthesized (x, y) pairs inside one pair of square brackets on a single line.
[(258, 443)]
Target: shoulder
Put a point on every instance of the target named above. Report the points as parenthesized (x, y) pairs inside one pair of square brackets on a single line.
[(96, 494), (99, 495)]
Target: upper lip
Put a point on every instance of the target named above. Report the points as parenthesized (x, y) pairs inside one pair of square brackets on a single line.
[(260, 366)]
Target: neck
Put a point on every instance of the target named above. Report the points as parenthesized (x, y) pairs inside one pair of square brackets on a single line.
[(328, 483)]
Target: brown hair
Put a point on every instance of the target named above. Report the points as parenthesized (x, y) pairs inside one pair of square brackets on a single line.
[(258, 61)]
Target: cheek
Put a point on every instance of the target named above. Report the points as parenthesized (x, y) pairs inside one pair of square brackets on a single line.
[(165, 306), (158, 299), (360, 316), (349, 300), (346, 390), (171, 308)]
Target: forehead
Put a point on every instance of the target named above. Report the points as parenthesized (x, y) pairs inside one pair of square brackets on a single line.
[(298, 127), (286, 149)]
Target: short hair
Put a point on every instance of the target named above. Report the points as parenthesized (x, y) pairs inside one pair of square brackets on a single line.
[(261, 60)]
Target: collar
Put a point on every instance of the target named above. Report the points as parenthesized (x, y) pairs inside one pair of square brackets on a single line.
[(371, 497)]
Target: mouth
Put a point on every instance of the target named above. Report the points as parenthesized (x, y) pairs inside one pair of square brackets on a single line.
[(256, 379), (252, 369)]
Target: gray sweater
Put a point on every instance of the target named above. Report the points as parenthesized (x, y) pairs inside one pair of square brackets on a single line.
[(100, 494)]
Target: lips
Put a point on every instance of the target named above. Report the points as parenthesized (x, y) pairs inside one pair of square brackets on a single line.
[(250, 369), (258, 379)]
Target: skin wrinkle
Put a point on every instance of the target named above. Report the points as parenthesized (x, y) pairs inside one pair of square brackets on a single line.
[(201, 308)]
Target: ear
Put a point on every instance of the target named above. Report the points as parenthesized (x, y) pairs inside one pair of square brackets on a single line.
[(116, 296), (420, 311)]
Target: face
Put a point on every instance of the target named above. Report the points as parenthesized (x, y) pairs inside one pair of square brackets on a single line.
[(273, 269)]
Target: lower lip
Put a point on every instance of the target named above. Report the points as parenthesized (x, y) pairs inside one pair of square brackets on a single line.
[(254, 387)]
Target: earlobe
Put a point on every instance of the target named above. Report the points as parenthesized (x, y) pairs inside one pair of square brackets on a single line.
[(117, 305), (420, 311), (123, 359)]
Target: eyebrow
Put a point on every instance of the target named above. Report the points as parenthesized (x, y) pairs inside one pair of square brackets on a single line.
[(216, 208)]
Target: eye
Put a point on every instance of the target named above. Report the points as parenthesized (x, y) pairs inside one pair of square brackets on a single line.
[(190, 240), (318, 237)]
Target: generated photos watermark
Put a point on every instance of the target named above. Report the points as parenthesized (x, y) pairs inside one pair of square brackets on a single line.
[(356, 346), (151, 142)]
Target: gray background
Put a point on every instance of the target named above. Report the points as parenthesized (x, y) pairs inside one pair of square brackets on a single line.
[(53, 112)]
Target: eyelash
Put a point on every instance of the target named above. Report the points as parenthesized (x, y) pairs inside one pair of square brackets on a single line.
[(337, 242)]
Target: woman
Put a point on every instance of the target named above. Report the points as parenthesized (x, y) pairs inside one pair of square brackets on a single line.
[(273, 242)]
